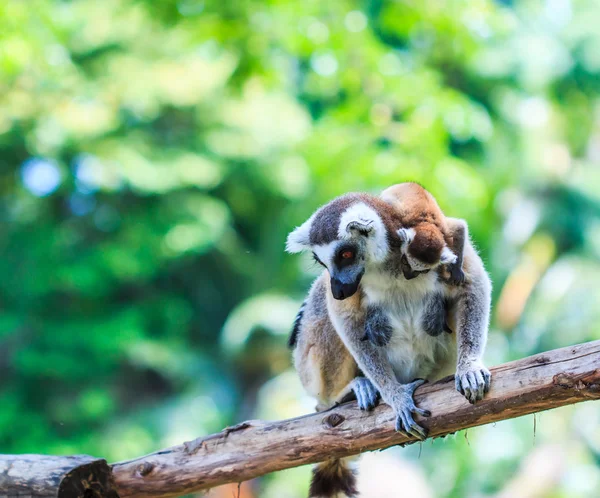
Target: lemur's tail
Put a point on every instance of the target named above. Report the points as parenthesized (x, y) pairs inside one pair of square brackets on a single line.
[(333, 478)]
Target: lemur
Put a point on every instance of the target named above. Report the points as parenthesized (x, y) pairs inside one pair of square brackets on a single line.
[(430, 241), (429, 238), (355, 238)]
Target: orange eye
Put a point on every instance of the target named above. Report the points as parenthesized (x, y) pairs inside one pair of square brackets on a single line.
[(347, 254)]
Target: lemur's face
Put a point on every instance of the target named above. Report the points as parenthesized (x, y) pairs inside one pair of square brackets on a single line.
[(345, 236), (422, 256), (345, 262)]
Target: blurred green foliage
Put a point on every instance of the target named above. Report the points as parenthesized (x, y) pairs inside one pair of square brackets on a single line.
[(154, 155)]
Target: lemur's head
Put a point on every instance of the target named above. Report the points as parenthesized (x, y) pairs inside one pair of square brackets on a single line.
[(423, 249), (345, 236)]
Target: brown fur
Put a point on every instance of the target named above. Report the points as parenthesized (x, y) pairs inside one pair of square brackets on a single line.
[(419, 210)]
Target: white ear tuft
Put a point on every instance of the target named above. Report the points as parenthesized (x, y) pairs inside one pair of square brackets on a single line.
[(299, 239), (406, 235), (361, 227), (447, 257)]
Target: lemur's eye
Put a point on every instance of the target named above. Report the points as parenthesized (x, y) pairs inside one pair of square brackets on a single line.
[(316, 258), (347, 255)]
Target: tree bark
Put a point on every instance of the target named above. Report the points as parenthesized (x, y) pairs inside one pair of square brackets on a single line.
[(79, 476), (250, 449), (253, 448)]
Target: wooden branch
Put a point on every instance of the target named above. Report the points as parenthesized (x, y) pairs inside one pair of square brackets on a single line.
[(250, 449), (50, 476), (548, 380)]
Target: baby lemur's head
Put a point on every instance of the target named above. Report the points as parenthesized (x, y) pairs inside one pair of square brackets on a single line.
[(423, 249), (345, 236)]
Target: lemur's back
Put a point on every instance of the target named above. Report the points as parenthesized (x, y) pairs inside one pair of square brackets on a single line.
[(414, 204)]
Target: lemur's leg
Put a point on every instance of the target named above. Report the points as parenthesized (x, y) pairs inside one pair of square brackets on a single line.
[(471, 312), (434, 315), (373, 361), (377, 326), (459, 233)]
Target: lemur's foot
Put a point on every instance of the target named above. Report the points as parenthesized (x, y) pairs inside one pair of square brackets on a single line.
[(457, 275), (366, 393), (473, 381), (377, 327), (404, 406)]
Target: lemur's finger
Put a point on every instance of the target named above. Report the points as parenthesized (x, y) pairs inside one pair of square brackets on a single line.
[(411, 426), (419, 432), (472, 383), (422, 412), (480, 384), (372, 394), (458, 384), (362, 397), (487, 377), (416, 430), (416, 384), (400, 427)]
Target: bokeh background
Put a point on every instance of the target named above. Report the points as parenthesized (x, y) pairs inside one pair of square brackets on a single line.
[(154, 155)]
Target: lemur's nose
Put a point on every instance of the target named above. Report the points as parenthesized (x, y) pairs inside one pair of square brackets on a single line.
[(341, 290)]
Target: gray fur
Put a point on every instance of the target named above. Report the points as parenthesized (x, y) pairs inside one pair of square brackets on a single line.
[(378, 329), (459, 232), (434, 315), (472, 312)]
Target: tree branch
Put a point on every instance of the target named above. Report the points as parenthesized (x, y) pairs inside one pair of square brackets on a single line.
[(251, 449), (55, 476)]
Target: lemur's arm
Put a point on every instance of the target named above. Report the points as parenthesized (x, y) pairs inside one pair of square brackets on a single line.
[(472, 312), (374, 363), (459, 232)]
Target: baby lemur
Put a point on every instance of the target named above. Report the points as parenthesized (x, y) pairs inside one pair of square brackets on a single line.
[(429, 240), (355, 237)]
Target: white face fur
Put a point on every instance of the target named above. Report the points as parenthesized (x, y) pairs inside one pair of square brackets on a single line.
[(359, 223)]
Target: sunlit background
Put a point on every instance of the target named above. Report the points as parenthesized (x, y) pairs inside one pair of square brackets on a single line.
[(154, 155)]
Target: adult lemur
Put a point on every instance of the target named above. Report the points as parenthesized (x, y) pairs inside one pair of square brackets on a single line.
[(355, 237)]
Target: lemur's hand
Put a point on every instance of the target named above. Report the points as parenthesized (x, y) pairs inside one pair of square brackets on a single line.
[(366, 393), (457, 275), (403, 404), (473, 381)]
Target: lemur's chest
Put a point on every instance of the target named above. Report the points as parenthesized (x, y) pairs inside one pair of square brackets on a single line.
[(412, 352)]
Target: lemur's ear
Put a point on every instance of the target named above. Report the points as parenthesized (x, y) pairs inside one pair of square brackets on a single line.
[(299, 239), (406, 235), (447, 257), (361, 227)]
